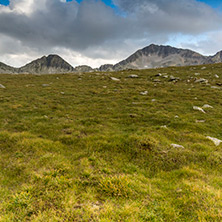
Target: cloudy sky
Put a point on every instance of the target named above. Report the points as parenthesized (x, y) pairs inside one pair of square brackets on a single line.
[(96, 32)]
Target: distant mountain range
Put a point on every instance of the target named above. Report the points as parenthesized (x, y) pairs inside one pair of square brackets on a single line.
[(152, 56)]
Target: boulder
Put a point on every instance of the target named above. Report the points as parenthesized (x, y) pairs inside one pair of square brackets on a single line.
[(215, 140), (198, 109), (2, 87), (114, 79), (177, 146)]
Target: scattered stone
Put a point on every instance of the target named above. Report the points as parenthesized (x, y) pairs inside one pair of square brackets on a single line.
[(197, 74), (45, 85), (198, 109), (62, 93), (215, 140), (156, 80), (104, 87), (177, 146), (166, 76), (217, 76), (200, 121), (133, 76), (144, 93), (2, 87), (176, 116), (206, 106), (215, 87), (114, 79), (173, 79), (164, 127), (159, 74), (153, 100), (203, 68), (201, 80)]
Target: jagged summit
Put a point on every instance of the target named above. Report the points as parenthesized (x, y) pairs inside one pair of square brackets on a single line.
[(47, 65)]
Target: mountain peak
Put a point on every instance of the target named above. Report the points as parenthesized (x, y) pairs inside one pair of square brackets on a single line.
[(48, 64), (154, 56)]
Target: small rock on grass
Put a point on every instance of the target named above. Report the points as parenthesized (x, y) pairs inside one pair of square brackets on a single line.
[(200, 121), (144, 93), (2, 87), (215, 140), (207, 106), (177, 146), (114, 79), (133, 76), (198, 109)]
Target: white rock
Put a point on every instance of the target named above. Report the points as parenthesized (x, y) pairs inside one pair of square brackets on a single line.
[(215, 87), (164, 127), (114, 79), (176, 116), (203, 68), (216, 76), (104, 87), (153, 100), (197, 74), (144, 93), (177, 146), (200, 121), (2, 87), (45, 85), (207, 106), (198, 109), (133, 76), (201, 80), (215, 140)]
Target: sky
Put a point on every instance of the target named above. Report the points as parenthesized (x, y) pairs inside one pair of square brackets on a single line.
[(96, 32)]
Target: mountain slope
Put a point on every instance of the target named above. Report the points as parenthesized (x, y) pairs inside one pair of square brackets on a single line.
[(5, 69), (162, 56), (47, 65)]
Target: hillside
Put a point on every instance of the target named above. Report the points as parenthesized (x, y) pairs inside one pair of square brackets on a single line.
[(5, 69), (154, 56), (115, 146)]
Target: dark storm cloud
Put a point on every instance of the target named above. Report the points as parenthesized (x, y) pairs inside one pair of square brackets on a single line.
[(42, 25)]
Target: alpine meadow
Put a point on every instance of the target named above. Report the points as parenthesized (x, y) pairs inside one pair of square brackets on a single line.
[(110, 111), (118, 146)]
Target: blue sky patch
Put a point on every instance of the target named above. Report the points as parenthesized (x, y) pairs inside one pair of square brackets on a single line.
[(4, 2)]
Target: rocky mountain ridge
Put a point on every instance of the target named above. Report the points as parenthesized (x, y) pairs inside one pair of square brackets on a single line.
[(152, 56)]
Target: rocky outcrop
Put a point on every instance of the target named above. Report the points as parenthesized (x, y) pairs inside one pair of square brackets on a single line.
[(84, 68), (106, 68)]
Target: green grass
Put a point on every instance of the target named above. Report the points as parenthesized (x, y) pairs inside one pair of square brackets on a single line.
[(87, 148)]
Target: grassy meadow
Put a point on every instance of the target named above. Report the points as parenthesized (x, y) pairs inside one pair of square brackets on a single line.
[(84, 147)]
